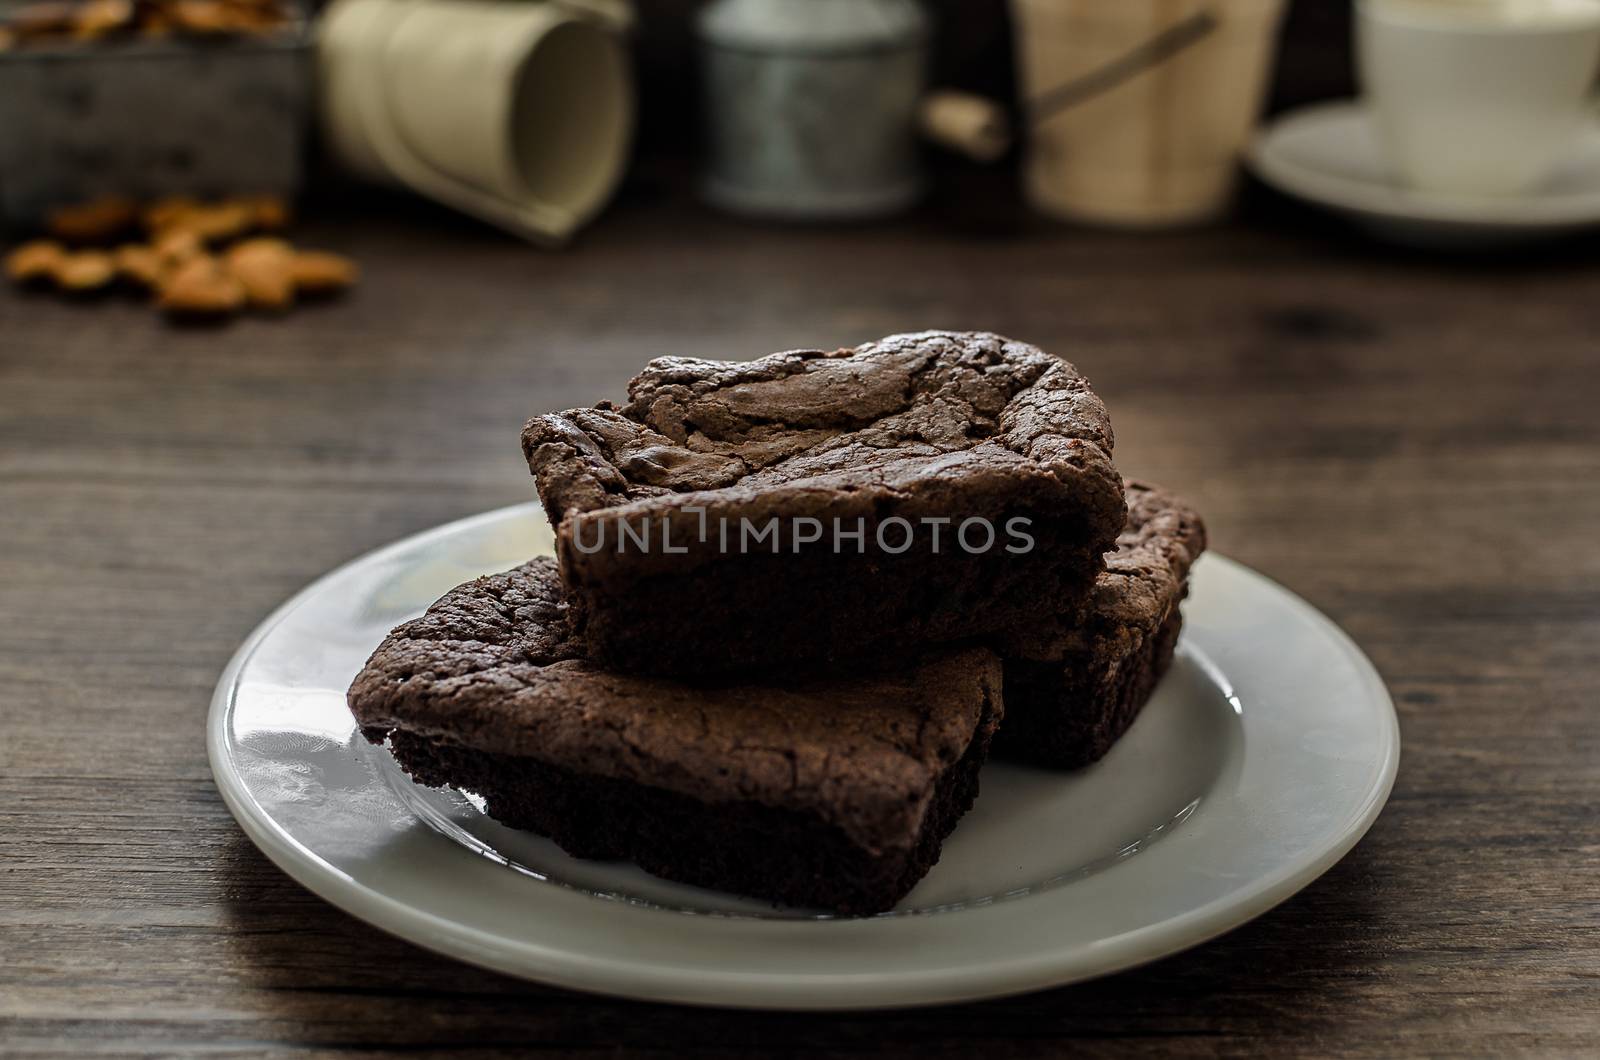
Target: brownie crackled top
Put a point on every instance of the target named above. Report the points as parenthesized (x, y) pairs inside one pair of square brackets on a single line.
[(492, 667), (974, 472), (900, 415)]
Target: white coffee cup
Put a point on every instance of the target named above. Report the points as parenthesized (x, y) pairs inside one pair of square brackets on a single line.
[(1478, 97), (518, 113)]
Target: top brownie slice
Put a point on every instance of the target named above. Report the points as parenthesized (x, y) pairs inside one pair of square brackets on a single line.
[(813, 506)]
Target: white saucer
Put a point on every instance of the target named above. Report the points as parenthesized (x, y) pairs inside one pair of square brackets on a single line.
[(1329, 154), (1265, 755)]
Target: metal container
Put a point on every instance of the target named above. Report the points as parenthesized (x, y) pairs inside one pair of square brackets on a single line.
[(145, 118), (811, 106)]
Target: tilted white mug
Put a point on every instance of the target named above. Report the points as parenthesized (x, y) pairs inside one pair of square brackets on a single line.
[(1478, 97), (518, 113)]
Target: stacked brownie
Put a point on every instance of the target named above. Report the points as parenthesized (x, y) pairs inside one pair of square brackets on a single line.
[(1075, 681), (793, 600)]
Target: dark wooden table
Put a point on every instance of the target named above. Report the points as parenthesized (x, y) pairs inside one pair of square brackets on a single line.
[(1412, 444)]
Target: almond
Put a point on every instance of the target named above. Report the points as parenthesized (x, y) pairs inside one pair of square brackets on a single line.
[(141, 265), (202, 287), (35, 262), (87, 270), (175, 246), (269, 212), (100, 18), (321, 272), (92, 222), (201, 16), (225, 220), (264, 266), (167, 212)]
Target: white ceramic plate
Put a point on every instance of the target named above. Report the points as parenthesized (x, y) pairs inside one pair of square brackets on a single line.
[(1330, 155), (1264, 756)]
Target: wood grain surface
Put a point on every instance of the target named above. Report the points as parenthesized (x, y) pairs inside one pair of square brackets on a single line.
[(1411, 444)]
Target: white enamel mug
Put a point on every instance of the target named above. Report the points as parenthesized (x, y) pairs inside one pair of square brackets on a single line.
[(1478, 97), (518, 113)]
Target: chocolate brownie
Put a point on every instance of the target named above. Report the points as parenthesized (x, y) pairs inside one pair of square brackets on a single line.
[(1075, 683), (832, 793), (813, 506)]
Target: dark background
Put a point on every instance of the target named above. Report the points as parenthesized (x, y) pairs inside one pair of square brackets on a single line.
[(972, 50)]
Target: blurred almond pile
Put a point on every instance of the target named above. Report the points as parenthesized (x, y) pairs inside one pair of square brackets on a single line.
[(51, 22), (196, 259)]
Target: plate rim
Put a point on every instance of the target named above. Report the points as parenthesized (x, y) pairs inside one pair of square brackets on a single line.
[(1061, 965), (1264, 157)]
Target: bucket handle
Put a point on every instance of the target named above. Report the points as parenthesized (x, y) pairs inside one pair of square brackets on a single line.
[(1158, 49)]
